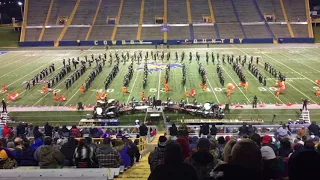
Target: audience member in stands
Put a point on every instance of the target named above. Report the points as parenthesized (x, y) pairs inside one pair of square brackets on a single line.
[(243, 130), (107, 156), (36, 133), (314, 129), (221, 145), (18, 145), (137, 153), (203, 160), (5, 157), (304, 165), (285, 148), (27, 155), (174, 168), (251, 129), (56, 132), (122, 148), (283, 131), (75, 132), (68, 150), (133, 149), (6, 131), (256, 138), (21, 130), (309, 145), (48, 156), (37, 143), (204, 130), (183, 130), (227, 150), (213, 130), (91, 144), (193, 144), (273, 167), (184, 147), (245, 162), (173, 132), (297, 147), (143, 130), (267, 141), (85, 132), (83, 155), (156, 157), (30, 131), (65, 131), (48, 129), (10, 147)]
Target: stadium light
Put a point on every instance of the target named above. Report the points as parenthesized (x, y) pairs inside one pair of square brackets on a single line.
[(20, 4)]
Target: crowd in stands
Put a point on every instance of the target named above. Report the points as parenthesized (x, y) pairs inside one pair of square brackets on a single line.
[(57, 147), (247, 156)]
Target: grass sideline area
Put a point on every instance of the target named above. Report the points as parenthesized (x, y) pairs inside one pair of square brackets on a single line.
[(297, 62), (8, 37)]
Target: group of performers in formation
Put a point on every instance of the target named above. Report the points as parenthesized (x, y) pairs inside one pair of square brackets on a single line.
[(40, 76), (281, 79)]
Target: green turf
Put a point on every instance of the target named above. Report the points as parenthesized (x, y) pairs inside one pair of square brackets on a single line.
[(300, 65), (8, 37)]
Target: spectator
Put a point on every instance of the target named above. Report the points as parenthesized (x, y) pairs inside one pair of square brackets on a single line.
[(143, 130), (156, 157), (123, 151), (48, 129), (48, 156), (173, 132), (314, 129), (27, 155), (56, 132), (85, 132), (283, 131), (30, 131), (174, 168), (0, 131), (5, 157), (132, 149), (213, 130), (227, 150), (36, 133), (221, 145), (243, 130), (309, 145), (256, 138), (65, 131), (297, 147), (137, 153), (193, 145), (203, 160), (184, 147), (18, 145), (37, 143), (83, 155), (94, 133), (273, 167), (285, 148), (183, 131), (300, 163), (107, 156), (245, 162), (75, 132), (6, 131), (251, 130), (91, 144), (267, 141), (68, 150), (204, 130), (21, 130)]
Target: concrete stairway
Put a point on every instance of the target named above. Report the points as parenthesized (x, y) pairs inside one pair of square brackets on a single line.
[(60, 8), (37, 11), (85, 12)]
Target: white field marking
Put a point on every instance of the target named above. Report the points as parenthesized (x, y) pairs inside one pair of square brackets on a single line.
[(56, 86), (213, 91), (254, 77), (235, 84), (71, 97), (22, 66), (308, 56), (312, 51), (185, 89), (13, 62), (300, 62), (134, 82), (3, 59), (159, 84), (295, 72)]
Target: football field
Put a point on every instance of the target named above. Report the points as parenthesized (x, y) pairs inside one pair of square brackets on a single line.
[(299, 63)]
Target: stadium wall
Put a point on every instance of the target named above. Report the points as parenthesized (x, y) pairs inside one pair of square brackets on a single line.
[(170, 42)]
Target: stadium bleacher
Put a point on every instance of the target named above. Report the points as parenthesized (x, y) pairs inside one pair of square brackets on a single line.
[(78, 33), (85, 12), (204, 32), (130, 12), (60, 8), (230, 30), (271, 6), (101, 32), (37, 12), (295, 10), (223, 11), (32, 34), (256, 31), (152, 9), (198, 9), (246, 11), (280, 30), (124, 33), (51, 34), (177, 12), (300, 30), (179, 32), (108, 8), (151, 33)]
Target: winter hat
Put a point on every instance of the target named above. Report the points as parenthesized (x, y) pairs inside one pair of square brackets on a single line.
[(162, 141), (316, 139), (267, 153), (266, 139)]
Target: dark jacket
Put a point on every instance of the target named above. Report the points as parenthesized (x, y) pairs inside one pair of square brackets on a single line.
[(27, 157), (173, 131), (213, 131), (204, 129), (37, 134), (143, 130), (273, 169), (156, 158), (48, 157), (203, 162), (315, 129), (48, 130), (68, 151), (177, 171), (232, 172), (21, 129)]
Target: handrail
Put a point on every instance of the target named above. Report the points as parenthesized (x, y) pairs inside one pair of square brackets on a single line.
[(25, 21), (211, 12), (46, 22), (141, 20), (114, 32), (286, 18), (94, 20), (165, 19), (310, 30), (189, 12), (66, 26)]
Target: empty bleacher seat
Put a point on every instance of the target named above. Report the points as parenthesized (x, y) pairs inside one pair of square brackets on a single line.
[(51, 34), (151, 33), (246, 11), (256, 31), (223, 11), (32, 34), (230, 30), (37, 12), (126, 33), (300, 30), (280, 30), (295, 9), (198, 9), (101, 32), (130, 12), (179, 33), (271, 6), (204, 32), (177, 12), (76, 33), (61, 8), (108, 8), (152, 8), (85, 12)]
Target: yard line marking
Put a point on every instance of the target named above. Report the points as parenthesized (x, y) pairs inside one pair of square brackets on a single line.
[(255, 78), (313, 51), (13, 62), (300, 62), (308, 57), (134, 82), (301, 92), (159, 85), (71, 97), (235, 84), (56, 86), (3, 59), (213, 91)]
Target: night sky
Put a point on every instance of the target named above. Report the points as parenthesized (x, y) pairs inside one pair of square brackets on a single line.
[(10, 8)]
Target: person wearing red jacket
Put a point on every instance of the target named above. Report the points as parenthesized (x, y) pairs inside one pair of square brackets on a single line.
[(6, 130)]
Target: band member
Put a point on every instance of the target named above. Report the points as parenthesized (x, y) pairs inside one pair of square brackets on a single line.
[(278, 93), (4, 88), (193, 92), (142, 95), (187, 94), (82, 89), (124, 90), (229, 93), (44, 89)]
